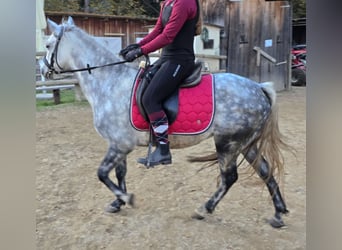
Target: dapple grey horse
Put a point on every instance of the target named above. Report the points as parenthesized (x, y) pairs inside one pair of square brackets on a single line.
[(244, 123)]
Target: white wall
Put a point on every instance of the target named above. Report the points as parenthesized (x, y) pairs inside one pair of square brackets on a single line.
[(213, 33), (209, 56)]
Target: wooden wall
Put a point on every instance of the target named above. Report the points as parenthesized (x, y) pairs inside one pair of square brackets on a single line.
[(249, 24), (214, 11), (262, 24), (103, 25)]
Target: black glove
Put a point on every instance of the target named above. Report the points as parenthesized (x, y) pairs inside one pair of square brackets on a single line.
[(133, 54), (130, 47)]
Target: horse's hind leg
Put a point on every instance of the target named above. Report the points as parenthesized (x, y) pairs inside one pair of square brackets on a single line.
[(115, 159), (228, 178), (263, 171), (229, 175)]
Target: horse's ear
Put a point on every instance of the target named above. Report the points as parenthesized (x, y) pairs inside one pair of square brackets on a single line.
[(71, 21), (52, 25)]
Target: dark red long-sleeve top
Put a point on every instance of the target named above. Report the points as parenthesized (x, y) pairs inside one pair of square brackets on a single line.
[(182, 11)]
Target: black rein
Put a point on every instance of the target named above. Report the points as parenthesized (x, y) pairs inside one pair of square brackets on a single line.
[(88, 68)]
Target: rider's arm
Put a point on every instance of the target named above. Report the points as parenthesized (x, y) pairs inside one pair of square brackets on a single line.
[(158, 28)]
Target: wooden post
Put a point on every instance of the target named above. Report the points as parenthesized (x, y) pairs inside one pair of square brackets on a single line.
[(56, 96)]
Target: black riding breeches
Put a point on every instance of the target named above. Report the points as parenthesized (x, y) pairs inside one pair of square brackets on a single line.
[(165, 81)]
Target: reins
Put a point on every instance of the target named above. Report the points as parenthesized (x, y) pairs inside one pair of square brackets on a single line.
[(88, 68)]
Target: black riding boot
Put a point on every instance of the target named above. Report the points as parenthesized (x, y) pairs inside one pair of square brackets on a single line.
[(161, 155)]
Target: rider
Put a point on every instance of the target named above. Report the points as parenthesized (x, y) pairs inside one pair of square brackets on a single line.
[(178, 23)]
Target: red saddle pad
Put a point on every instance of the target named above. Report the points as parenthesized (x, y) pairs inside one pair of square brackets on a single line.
[(196, 109)]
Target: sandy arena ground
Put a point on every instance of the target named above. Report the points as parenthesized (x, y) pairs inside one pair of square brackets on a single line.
[(71, 200)]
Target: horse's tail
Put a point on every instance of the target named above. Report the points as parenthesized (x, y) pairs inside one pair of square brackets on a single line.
[(270, 141), (268, 88)]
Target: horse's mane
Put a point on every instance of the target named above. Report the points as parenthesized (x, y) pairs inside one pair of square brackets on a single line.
[(91, 41)]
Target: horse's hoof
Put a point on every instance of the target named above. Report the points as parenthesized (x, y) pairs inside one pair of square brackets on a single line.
[(199, 213), (128, 199), (276, 223), (115, 206), (112, 209), (197, 216)]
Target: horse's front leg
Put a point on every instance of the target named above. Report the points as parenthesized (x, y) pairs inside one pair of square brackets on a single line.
[(120, 172), (263, 171), (115, 159)]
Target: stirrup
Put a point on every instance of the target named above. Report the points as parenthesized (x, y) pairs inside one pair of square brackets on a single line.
[(146, 161)]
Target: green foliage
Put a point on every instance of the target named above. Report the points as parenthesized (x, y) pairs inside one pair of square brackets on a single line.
[(299, 8), (151, 7), (66, 95), (135, 8), (117, 7), (62, 5)]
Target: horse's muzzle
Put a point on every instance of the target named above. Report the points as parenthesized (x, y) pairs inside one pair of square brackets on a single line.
[(45, 72)]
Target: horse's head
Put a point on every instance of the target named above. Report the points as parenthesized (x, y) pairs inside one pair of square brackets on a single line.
[(55, 61)]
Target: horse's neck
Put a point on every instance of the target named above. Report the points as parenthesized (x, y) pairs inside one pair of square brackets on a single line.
[(107, 82), (85, 49)]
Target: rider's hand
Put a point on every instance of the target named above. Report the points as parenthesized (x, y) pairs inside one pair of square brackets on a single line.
[(129, 48), (133, 54)]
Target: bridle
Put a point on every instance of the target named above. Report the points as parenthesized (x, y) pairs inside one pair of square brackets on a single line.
[(53, 59), (50, 64)]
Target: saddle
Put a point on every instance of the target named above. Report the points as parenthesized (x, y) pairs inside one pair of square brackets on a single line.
[(171, 104)]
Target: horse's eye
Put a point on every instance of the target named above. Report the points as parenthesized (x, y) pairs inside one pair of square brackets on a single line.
[(47, 46)]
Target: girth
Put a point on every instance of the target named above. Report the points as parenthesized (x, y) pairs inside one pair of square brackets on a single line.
[(170, 105)]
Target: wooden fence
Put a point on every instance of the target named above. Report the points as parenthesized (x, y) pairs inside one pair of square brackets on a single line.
[(50, 89)]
